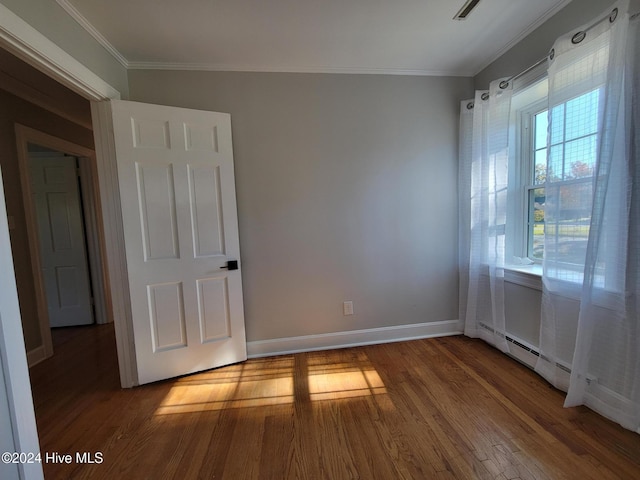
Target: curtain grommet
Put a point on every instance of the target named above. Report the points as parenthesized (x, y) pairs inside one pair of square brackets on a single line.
[(484, 96), (552, 54), (578, 37), (504, 84), (614, 15), (470, 106)]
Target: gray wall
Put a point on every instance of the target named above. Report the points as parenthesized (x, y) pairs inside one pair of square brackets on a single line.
[(53, 22), (346, 190)]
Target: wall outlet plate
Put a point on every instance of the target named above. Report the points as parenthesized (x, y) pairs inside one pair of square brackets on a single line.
[(347, 308)]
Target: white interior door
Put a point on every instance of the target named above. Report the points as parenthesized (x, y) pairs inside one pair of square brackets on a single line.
[(177, 191), (56, 198)]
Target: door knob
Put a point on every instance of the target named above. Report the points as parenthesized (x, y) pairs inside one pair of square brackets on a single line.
[(231, 265)]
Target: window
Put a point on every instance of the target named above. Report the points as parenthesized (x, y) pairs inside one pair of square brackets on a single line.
[(555, 162), (534, 191), (571, 163)]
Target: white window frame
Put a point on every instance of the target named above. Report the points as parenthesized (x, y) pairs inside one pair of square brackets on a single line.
[(528, 100), (527, 164)]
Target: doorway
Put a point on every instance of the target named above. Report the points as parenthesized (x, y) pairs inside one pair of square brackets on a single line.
[(59, 197), (56, 201)]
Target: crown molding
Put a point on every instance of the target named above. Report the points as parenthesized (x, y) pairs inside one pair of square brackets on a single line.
[(91, 30), (28, 44), (213, 67)]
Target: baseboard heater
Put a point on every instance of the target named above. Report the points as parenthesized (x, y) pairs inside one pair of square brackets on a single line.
[(527, 348)]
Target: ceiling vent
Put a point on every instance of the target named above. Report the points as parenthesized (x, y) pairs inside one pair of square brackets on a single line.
[(466, 9)]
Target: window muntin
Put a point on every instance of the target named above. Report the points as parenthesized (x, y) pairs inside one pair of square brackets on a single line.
[(560, 204), (562, 210)]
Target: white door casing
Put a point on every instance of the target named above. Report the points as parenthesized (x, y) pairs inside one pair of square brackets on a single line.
[(177, 192), (56, 198)]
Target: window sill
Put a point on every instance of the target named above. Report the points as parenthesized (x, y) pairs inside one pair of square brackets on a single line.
[(529, 276)]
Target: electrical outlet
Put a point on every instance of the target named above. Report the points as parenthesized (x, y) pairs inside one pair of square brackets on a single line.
[(347, 308)]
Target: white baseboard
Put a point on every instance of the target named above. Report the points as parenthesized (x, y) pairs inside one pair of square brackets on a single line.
[(36, 355), (353, 338)]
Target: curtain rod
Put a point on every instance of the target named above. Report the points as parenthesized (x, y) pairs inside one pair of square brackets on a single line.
[(577, 38)]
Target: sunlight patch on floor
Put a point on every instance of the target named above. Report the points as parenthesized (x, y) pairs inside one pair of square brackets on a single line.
[(355, 377), (332, 386), (266, 382), (253, 384)]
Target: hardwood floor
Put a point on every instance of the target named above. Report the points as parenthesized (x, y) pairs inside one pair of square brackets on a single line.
[(446, 408)]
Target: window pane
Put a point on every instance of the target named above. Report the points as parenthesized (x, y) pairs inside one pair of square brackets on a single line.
[(542, 123), (568, 215), (536, 223), (580, 157), (582, 116), (540, 168), (557, 125), (555, 169)]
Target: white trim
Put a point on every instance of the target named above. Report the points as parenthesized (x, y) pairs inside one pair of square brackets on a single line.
[(525, 275), (353, 338), (24, 41), (216, 67), (114, 248), (91, 30), (13, 359), (36, 356), (94, 237)]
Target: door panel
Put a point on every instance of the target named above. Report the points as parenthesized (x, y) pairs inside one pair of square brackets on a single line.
[(206, 211), (158, 211), (213, 311), (54, 186), (168, 328), (177, 190)]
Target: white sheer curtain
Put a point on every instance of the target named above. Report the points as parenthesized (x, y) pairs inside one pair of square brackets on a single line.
[(483, 205), (464, 203), (594, 77)]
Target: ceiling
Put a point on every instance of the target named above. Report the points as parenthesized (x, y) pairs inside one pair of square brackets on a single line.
[(414, 37)]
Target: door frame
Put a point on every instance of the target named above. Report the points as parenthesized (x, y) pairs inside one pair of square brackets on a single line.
[(91, 220), (21, 39), (109, 191)]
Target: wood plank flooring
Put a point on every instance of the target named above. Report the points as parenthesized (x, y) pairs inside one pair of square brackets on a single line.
[(446, 408)]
